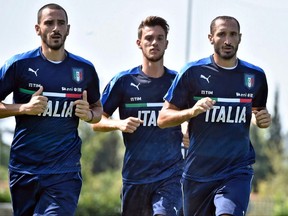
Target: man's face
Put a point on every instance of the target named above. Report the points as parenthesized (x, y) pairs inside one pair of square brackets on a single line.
[(53, 28), (153, 43), (225, 38)]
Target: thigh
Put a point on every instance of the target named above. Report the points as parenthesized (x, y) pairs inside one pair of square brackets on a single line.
[(198, 197), (60, 194), (136, 200), (167, 197), (24, 190), (233, 196)]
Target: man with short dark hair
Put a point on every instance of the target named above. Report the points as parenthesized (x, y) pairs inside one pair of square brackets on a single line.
[(52, 89), (218, 95)]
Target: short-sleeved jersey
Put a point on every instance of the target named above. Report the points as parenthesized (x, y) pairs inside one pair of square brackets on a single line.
[(49, 142), (219, 138), (151, 153)]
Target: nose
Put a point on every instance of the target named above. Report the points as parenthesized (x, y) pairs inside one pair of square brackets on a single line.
[(154, 42), (227, 41), (56, 28)]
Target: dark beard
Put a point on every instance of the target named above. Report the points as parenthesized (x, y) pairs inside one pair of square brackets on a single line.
[(56, 46), (227, 57), (154, 59)]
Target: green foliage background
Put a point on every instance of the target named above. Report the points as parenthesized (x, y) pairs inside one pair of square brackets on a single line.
[(102, 155)]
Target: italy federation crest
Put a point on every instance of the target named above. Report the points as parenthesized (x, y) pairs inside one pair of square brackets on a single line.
[(249, 81), (77, 74)]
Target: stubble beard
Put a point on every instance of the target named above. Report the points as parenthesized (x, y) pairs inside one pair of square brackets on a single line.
[(154, 59), (227, 56), (55, 47)]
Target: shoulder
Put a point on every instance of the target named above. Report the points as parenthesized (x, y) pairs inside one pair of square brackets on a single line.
[(170, 73), (120, 78), (126, 73), (251, 66), (79, 58), (195, 64), (22, 56)]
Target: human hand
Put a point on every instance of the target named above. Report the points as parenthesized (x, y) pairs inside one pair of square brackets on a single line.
[(36, 105), (82, 108), (202, 106), (263, 118), (129, 125)]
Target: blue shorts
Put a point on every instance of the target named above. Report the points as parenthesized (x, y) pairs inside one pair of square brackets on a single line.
[(228, 196), (53, 194), (163, 197)]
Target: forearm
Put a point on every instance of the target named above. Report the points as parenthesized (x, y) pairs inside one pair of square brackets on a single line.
[(7, 110), (171, 117), (96, 114), (106, 124), (96, 111)]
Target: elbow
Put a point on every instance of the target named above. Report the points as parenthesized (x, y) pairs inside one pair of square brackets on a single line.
[(98, 119), (161, 123)]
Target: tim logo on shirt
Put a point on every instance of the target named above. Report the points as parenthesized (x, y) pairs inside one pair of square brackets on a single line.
[(77, 74)]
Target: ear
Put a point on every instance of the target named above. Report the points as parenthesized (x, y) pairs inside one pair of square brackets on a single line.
[(138, 42), (167, 42), (240, 36), (68, 30), (210, 38), (37, 29)]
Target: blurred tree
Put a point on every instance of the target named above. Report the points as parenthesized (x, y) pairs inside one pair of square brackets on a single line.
[(4, 157), (4, 148), (101, 161), (263, 166), (107, 156), (274, 188), (100, 194), (275, 141), (268, 147), (101, 151)]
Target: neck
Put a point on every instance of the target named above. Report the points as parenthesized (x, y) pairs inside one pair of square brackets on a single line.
[(153, 69), (227, 63), (54, 55)]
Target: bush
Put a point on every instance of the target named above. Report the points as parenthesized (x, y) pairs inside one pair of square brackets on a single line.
[(4, 185), (100, 195), (281, 205)]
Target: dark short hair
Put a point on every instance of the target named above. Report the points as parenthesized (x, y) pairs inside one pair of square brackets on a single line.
[(212, 25), (152, 21), (50, 6)]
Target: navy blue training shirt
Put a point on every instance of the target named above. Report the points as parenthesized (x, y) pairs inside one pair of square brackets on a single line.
[(151, 154), (49, 142), (219, 138)]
